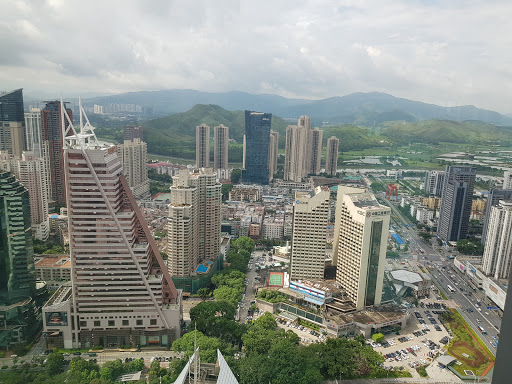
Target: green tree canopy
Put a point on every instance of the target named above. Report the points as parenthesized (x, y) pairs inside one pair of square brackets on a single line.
[(236, 174), (226, 188), (245, 243), (54, 363), (228, 294), (204, 293), (378, 337), (207, 346)]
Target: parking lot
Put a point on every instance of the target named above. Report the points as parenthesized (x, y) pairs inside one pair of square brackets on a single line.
[(306, 335), (419, 342)]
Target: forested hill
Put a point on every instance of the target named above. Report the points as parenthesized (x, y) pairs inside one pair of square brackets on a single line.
[(174, 135)]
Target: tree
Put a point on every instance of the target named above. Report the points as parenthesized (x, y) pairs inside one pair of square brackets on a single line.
[(378, 337), (271, 296), (207, 346), (226, 188), (206, 314), (284, 363), (267, 321), (259, 339), (83, 370), (238, 263), (111, 370), (203, 293), (54, 363), (467, 247), (225, 293), (234, 279), (236, 174), (245, 243), (425, 236), (155, 370)]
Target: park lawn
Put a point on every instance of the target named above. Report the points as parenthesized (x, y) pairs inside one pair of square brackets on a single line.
[(463, 342)]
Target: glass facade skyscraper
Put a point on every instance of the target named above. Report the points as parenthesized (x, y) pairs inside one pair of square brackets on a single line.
[(16, 251), (257, 140), (456, 202), (52, 135), (18, 316), (12, 122), (11, 106)]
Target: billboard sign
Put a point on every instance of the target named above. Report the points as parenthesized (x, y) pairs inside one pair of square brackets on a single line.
[(56, 319)]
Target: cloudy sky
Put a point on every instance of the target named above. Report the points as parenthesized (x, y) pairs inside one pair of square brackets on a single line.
[(447, 52)]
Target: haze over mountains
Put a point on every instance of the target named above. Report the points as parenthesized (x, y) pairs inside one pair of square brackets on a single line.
[(356, 108)]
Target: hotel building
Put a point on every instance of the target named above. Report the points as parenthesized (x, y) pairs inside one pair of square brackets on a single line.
[(361, 234)]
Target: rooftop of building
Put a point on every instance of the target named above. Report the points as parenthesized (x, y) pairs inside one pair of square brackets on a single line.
[(325, 285), (61, 295), (364, 200), (406, 276), (53, 261), (368, 316), (161, 196)]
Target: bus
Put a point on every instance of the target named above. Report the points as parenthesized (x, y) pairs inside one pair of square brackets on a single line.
[(482, 330), (450, 288)]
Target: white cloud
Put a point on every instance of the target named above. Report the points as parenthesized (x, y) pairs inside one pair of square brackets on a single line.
[(372, 51), (429, 51)]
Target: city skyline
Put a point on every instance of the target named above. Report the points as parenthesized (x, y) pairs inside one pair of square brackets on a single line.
[(417, 53)]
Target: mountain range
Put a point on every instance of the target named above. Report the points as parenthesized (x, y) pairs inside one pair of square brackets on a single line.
[(356, 108)]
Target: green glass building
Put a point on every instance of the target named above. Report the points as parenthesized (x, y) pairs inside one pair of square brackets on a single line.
[(18, 317)]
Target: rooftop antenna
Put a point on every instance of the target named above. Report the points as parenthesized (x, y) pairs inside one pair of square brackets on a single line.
[(80, 113)]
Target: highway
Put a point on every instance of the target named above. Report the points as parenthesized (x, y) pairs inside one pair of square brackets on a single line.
[(435, 261)]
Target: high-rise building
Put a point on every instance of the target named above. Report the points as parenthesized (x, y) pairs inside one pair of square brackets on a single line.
[(34, 132), (303, 150), (12, 122), (501, 371), (314, 151), (18, 317), (51, 119), (16, 252), (304, 121), (498, 247), (32, 172), (194, 221), (202, 146), (456, 202), (273, 153), (360, 242), (209, 199), (220, 147), (182, 246), (257, 139), (122, 293), (133, 154), (507, 180), (309, 234), (295, 157), (331, 160), (433, 184), (493, 199)]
